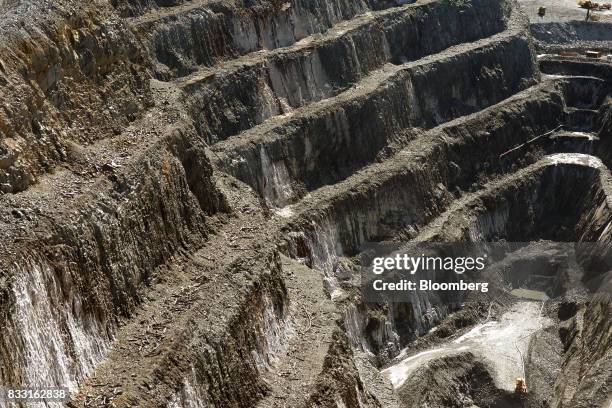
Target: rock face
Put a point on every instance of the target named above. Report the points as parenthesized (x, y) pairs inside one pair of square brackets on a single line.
[(70, 75), (573, 34), (186, 184)]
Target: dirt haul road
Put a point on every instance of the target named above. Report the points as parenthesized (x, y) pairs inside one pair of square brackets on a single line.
[(502, 344)]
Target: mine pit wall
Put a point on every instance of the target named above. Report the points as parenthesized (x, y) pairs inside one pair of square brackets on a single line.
[(588, 341), (339, 384), (559, 202), (369, 216), (383, 330), (74, 77), (571, 32), (605, 132), (221, 365), (224, 368), (68, 287), (586, 92), (553, 203), (374, 334), (582, 196), (46, 338), (418, 183), (595, 219), (338, 9), (129, 8), (562, 66), (322, 149), (219, 31), (228, 104), (587, 353), (368, 212), (565, 102)]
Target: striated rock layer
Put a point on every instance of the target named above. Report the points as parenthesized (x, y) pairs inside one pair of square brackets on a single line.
[(186, 184)]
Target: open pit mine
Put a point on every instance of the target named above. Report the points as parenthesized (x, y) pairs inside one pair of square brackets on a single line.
[(189, 188)]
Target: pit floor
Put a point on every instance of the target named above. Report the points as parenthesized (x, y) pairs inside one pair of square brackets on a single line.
[(503, 344)]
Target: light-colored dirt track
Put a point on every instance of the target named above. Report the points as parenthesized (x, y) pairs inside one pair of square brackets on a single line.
[(502, 344)]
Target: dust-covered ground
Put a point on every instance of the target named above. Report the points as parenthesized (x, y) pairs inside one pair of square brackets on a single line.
[(559, 10), (502, 343)]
